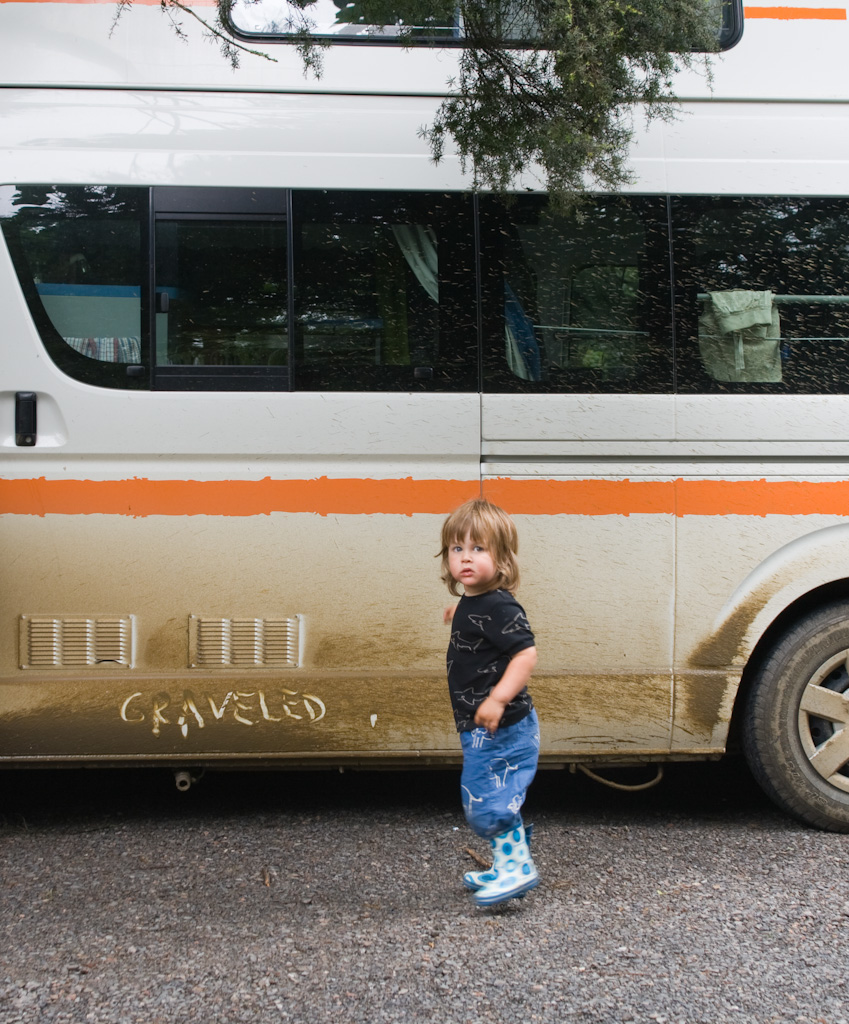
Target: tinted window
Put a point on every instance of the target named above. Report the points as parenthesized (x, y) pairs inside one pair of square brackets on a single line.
[(81, 258), (423, 21), (384, 292), (762, 295), (576, 303), (267, 290)]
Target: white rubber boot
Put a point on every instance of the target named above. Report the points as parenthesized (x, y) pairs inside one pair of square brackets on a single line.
[(475, 880), (515, 871)]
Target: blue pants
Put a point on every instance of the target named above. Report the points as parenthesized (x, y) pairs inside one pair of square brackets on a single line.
[(497, 770)]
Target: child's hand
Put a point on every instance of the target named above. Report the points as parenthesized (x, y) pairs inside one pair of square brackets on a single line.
[(489, 714), (448, 613)]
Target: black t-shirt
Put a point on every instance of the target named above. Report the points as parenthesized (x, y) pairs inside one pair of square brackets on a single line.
[(486, 633)]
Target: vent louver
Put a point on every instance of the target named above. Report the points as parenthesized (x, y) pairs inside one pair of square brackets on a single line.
[(76, 642), (244, 643)]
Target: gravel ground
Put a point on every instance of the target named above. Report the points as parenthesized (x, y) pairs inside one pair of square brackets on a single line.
[(262, 897)]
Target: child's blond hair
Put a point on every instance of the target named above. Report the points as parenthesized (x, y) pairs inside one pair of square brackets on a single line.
[(489, 525)]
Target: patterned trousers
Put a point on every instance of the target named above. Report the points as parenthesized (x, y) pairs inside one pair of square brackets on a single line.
[(497, 770)]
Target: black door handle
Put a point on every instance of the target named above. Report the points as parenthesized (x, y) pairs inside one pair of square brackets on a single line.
[(25, 418)]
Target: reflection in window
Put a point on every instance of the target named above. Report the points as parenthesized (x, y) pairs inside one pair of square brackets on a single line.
[(370, 21), (221, 293), (79, 257), (576, 303), (384, 291), (762, 295)]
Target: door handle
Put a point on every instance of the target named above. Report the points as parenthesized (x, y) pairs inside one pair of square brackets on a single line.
[(25, 418)]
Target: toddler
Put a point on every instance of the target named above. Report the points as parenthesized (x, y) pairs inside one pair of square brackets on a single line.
[(490, 659)]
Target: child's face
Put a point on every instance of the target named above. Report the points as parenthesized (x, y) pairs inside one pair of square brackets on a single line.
[(471, 564)]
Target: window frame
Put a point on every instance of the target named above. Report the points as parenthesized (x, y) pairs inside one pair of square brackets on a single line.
[(730, 34)]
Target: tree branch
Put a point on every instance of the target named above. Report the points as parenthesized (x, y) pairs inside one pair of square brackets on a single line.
[(227, 40)]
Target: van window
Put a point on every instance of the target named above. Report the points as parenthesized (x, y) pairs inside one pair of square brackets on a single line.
[(762, 300), (80, 257), (384, 292), (352, 291), (576, 303), (419, 21), (221, 296)]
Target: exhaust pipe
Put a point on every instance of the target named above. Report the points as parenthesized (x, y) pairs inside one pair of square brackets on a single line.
[(183, 780)]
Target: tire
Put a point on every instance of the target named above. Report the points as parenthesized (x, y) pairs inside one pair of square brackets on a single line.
[(796, 728)]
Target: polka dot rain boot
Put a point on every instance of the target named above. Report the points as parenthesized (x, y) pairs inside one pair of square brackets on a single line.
[(475, 880), (515, 871)]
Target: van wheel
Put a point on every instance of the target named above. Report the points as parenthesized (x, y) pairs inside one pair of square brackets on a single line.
[(796, 730)]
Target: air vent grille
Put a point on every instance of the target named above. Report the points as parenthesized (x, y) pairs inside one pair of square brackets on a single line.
[(76, 642), (244, 643)]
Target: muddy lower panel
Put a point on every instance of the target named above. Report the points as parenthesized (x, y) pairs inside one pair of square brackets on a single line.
[(307, 717)]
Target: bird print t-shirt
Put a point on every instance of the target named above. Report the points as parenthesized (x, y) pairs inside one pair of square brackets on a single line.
[(486, 633)]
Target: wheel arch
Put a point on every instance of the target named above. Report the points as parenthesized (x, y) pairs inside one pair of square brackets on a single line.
[(801, 575), (808, 573)]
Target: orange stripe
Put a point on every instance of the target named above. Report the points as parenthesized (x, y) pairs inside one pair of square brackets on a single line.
[(761, 498), (323, 496), (797, 13), (140, 497), (672, 497), (581, 497)]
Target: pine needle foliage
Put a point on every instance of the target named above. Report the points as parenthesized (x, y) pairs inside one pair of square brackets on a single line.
[(564, 107)]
